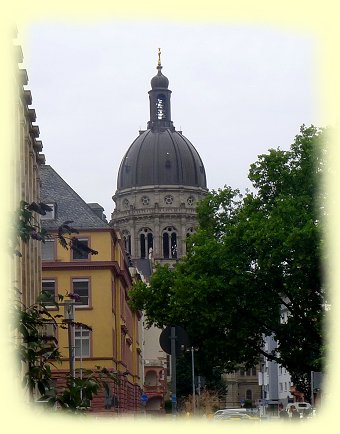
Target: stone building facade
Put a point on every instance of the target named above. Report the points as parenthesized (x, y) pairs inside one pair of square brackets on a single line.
[(243, 387), (26, 161)]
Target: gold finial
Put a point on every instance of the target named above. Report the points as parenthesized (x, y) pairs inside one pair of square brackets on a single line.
[(159, 57)]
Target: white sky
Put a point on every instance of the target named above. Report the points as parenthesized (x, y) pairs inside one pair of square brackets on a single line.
[(236, 92)]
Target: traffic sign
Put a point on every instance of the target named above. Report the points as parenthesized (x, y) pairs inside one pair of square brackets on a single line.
[(181, 339), (144, 398)]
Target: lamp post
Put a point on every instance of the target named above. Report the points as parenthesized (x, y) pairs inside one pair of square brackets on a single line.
[(69, 318), (193, 381), (263, 364), (173, 371)]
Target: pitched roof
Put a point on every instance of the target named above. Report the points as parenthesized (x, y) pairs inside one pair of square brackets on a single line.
[(143, 266), (69, 205)]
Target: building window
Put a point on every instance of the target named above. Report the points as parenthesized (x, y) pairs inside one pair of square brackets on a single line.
[(285, 386), (249, 395), (145, 200), (48, 250), (79, 253), (127, 241), (281, 387), (81, 287), (190, 231), (160, 107), (151, 378), (50, 215), (190, 200), (242, 372), (169, 243), (48, 287), (168, 199), (82, 342), (126, 203), (253, 371), (146, 242)]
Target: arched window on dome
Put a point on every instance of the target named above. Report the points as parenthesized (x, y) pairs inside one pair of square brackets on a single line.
[(169, 243), (190, 231), (146, 242), (127, 241), (160, 107)]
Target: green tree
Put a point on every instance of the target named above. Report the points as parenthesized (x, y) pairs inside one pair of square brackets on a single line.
[(251, 257)]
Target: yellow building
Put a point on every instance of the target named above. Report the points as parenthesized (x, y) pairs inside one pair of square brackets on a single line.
[(25, 161), (102, 282), (25, 166)]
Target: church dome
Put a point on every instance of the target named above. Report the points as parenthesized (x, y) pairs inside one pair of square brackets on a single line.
[(160, 180), (161, 157), (159, 81)]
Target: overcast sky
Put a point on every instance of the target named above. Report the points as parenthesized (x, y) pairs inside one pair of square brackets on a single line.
[(237, 90)]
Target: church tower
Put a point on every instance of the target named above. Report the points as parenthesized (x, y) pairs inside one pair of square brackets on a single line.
[(160, 179)]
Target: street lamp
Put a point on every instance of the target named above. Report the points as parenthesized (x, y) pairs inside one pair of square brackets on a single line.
[(69, 319), (192, 349), (193, 381), (263, 364)]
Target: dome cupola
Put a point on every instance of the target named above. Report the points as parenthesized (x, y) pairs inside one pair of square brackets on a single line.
[(160, 180), (159, 81), (161, 155)]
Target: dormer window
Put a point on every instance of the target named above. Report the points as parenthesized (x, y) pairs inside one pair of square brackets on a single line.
[(50, 215), (79, 253)]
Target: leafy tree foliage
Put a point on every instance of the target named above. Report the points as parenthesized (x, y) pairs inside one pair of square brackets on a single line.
[(252, 257), (37, 350)]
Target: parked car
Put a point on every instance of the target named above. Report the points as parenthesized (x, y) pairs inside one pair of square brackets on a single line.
[(224, 413), (236, 416), (228, 410), (304, 408)]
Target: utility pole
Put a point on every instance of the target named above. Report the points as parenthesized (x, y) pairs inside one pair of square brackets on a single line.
[(193, 381), (173, 371), (69, 318), (173, 340), (263, 389)]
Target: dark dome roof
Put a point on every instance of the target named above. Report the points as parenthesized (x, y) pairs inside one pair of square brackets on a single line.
[(161, 157), (159, 81)]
